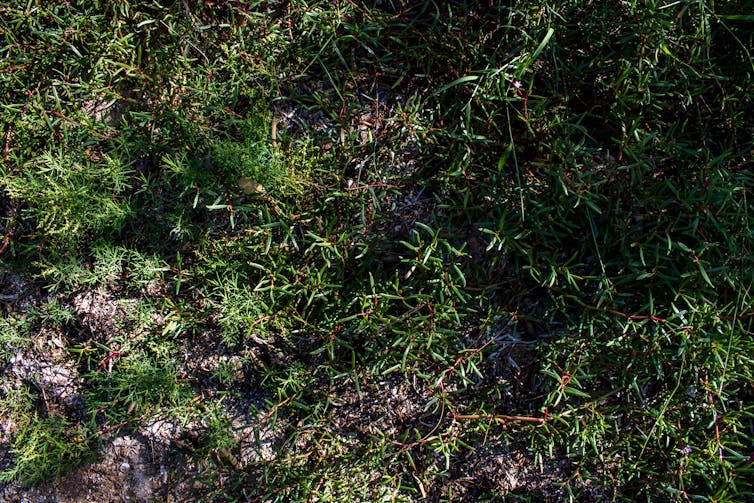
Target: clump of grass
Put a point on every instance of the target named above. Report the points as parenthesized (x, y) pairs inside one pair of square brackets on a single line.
[(71, 198), (555, 261), (44, 447)]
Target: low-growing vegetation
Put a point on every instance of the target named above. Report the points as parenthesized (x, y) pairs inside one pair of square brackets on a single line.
[(386, 250)]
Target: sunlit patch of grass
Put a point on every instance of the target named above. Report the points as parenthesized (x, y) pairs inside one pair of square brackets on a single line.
[(43, 446)]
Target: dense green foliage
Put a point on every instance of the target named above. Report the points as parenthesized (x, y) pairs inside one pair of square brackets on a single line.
[(532, 214)]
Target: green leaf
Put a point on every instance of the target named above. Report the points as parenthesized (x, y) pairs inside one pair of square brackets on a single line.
[(462, 80), (543, 43)]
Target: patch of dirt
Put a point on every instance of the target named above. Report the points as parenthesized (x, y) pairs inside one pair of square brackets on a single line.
[(256, 439), (130, 469), (110, 110), (382, 408), (133, 466), (15, 294), (46, 368), (101, 313), (151, 461), (498, 469)]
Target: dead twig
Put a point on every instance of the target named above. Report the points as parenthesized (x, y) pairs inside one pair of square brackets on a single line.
[(10, 227), (502, 418)]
